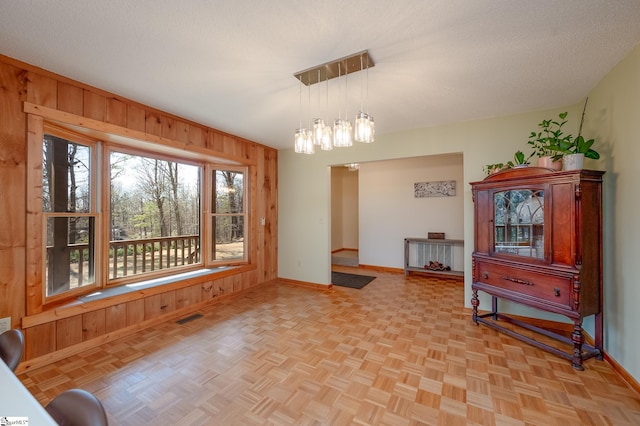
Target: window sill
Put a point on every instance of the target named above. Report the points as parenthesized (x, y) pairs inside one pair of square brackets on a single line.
[(115, 295), (147, 284)]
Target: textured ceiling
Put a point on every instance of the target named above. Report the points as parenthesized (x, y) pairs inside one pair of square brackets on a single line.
[(230, 64)]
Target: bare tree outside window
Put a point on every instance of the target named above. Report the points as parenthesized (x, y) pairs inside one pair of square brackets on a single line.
[(70, 222), (155, 214), (228, 215)]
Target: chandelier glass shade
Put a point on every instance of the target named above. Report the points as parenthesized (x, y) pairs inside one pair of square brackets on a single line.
[(303, 142), (364, 125), (327, 139), (341, 134), (318, 131), (364, 128)]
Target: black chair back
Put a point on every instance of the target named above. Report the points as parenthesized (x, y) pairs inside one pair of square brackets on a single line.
[(77, 407), (11, 348)]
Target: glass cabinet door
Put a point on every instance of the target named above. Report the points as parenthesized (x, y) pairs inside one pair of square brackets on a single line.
[(519, 222)]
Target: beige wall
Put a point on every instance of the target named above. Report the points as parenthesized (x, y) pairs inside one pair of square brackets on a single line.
[(389, 211), (613, 119), (344, 208), (304, 182)]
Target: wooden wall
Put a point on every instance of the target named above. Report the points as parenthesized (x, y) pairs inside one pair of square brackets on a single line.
[(20, 83)]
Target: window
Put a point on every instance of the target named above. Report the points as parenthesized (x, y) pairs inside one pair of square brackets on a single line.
[(118, 213), (228, 215), (154, 214), (70, 215)]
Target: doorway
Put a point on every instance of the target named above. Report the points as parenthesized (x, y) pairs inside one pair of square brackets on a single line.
[(344, 216)]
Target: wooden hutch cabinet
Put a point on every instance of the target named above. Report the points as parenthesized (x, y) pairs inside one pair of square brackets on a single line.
[(538, 242)]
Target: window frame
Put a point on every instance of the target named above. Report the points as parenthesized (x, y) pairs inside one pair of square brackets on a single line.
[(104, 141), (114, 282), (246, 258), (94, 211)]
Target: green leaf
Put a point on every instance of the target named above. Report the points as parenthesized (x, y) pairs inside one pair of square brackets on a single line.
[(592, 154)]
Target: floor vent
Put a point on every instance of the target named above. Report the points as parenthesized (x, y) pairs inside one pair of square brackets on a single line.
[(189, 318)]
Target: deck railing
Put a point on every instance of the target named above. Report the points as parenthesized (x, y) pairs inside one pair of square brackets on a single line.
[(131, 257)]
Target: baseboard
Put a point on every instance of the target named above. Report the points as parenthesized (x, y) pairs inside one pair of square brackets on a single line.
[(567, 328), (343, 249), (631, 381), (381, 268), (305, 284)]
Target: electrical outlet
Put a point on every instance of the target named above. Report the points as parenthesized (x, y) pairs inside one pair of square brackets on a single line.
[(5, 324)]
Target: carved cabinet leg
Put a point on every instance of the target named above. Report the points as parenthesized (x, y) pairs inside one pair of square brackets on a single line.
[(578, 339), (475, 302)]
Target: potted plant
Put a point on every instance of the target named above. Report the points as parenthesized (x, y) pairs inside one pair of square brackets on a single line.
[(490, 169), (575, 150), (518, 161), (545, 141)]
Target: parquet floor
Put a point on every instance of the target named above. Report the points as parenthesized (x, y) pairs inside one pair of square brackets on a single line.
[(400, 351)]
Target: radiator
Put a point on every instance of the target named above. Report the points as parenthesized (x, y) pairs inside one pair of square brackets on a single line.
[(422, 253)]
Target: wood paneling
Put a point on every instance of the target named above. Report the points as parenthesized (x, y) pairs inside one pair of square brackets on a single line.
[(12, 194), (159, 304), (42, 90), (21, 258), (70, 98), (12, 265), (40, 340), (68, 332), (169, 130), (182, 131), (12, 121), (237, 283), (208, 291), (135, 312), (115, 317), (197, 136), (93, 324), (135, 118), (188, 296), (116, 112), (153, 123), (227, 285), (95, 105)]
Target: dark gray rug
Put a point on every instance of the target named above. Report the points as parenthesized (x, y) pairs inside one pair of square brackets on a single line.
[(350, 280)]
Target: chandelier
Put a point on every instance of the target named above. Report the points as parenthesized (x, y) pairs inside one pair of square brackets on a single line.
[(341, 134)]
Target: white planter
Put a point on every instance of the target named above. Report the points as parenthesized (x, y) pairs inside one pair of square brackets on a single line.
[(573, 162)]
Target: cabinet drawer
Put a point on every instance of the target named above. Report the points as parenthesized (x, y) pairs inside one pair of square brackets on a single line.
[(549, 288)]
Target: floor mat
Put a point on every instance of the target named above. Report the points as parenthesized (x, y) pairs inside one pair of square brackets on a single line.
[(350, 280)]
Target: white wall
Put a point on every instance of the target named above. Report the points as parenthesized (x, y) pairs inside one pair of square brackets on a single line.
[(389, 211)]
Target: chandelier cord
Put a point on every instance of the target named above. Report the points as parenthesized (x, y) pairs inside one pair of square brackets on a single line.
[(361, 97), (300, 86), (346, 91), (367, 103)]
